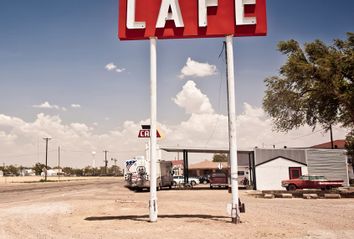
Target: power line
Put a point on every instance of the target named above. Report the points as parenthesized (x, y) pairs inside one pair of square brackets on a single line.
[(299, 137), (221, 79)]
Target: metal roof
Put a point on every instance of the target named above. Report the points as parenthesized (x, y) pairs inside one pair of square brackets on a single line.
[(200, 150)]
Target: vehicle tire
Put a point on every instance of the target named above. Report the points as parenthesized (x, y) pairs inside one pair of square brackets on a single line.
[(211, 186), (174, 183), (205, 182), (193, 183), (291, 187), (328, 188)]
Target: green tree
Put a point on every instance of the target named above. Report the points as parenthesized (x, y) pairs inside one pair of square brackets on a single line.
[(68, 171), (38, 168), (12, 170), (78, 172), (315, 86), (220, 158)]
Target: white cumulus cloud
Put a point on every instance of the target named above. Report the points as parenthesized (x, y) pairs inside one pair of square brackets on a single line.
[(22, 143), (193, 100), (47, 105), (197, 69), (110, 66), (113, 67), (75, 106)]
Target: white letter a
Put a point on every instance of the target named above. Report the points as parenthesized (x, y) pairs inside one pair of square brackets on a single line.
[(165, 15)]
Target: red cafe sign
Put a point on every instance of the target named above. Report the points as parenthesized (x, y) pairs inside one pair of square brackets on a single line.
[(167, 19)]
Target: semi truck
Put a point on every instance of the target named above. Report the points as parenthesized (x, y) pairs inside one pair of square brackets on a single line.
[(137, 173)]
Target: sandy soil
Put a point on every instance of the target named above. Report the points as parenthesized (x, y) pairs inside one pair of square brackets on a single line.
[(106, 209), (27, 179)]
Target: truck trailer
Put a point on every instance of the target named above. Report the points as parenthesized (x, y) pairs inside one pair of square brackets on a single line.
[(137, 174)]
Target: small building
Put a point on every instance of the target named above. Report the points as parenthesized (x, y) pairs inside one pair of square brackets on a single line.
[(1, 173), (274, 165), (27, 172), (208, 167), (52, 172), (337, 144)]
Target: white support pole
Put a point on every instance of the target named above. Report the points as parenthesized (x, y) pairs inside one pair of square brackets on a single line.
[(153, 110), (232, 129)]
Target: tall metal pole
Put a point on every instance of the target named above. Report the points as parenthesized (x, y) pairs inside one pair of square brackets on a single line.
[(93, 153), (115, 165), (331, 134), (153, 116), (105, 161), (46, 158), (3, 164), (232, 128), (59, 171)]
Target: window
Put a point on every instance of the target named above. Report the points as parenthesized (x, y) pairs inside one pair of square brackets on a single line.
[(294, 172), (240, 173)]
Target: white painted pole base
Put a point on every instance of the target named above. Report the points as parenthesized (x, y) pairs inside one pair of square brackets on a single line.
[(153, 210)]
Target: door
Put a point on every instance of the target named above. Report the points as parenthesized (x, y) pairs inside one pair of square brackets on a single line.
[(294, 172)]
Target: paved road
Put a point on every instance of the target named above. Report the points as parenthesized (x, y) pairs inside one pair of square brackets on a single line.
[(38, 191)]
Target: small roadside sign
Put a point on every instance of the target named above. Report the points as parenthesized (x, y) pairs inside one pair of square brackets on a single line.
[(145, 132)]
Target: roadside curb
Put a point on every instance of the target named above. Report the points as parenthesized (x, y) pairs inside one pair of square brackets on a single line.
[(332, 196), (286, 195), (310, 196), (268, 196)]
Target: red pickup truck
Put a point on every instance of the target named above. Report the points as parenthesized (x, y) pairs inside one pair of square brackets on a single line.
[(311, 182), (218, 180)]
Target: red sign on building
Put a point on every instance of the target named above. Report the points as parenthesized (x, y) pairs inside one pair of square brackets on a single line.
[(167, 19)]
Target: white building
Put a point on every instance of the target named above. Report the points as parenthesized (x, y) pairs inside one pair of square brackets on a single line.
[(52, 172), (27, 172), (269, 174), (1, 173)]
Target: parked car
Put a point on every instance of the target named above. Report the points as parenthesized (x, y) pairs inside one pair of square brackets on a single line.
[(204, 179), (311, 182), (180, 180), (218, 180)]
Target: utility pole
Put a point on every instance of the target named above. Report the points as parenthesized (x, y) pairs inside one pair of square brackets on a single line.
[(93, 153), (105, 161), (331, 134), (46, 157), (59, 171), (115, 165), (4, 172)]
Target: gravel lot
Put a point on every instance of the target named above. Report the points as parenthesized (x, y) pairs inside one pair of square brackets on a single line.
[(104, 208)]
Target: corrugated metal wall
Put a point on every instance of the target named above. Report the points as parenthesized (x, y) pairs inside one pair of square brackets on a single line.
[(329, 163)]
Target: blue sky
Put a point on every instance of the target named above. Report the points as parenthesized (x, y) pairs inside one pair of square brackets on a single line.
[(56, 52)]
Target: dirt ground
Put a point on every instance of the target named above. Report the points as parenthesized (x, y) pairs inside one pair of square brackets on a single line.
[(29, 179), (104, 208)]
